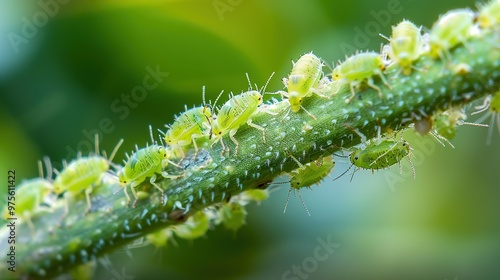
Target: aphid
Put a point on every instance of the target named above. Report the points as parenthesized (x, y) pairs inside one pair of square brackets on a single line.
[(232, 215), (307, 175), (489, 14), (450, 30), (235, 112), (492, 104), (29, 196), (445, 123), (380, 154), (406, 45), (303, 81), (186, 128), (82, 174), (144, 163), (359, 68), (195, 226)]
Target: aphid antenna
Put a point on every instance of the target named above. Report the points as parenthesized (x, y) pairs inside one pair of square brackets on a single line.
[(96, 144), (343, 173), (385, 37), (439, 138), (153, 142), (217, 99), (115, 150), (48, 165), (295, 159), (302, 200), (263, 89), (352, 175)]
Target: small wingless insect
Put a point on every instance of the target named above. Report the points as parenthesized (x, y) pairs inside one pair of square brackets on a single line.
[(303, 81), (492, 104), (144, 163), (489, 14), (359, 68), (82, 174), (235, 112), (450, 30), (190, 125), (380, 154), (406, 45), (307, 175), (30, 194)]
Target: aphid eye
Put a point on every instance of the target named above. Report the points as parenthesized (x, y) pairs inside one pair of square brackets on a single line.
[(356, 158), (220, 133)]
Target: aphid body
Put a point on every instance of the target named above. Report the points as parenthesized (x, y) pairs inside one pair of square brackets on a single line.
[(359, 68), (190, 125), (235, 112), (29, 196), (380, 154), (450, 30), (307, 175), (232, 215), (82, 174), (406, 45), (195, 226), (489, 14), (144, 163), (303, 80)]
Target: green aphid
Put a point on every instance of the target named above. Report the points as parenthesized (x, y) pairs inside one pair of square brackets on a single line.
[(406, 45), (360, 68), (145, 163), (451, 29), (380, 154), (307, 175), (82, 175), (186, 128), (303, 81), (30, 194), (235, 112), (489, 14), (232, 215), (196, 226)]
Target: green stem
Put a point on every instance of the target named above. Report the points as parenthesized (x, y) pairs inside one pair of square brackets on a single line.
[(213, 178)]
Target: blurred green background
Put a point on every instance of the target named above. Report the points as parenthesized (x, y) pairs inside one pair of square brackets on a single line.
[(70, 75)]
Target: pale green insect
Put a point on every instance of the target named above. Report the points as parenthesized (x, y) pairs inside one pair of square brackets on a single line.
[(235, 112), (492, 106), (307, 175), (194, 227), (232, 215), (489, 14), (450, 30), (406, 45), (82, 175), (186, 128), (446, 123), (380, 154), (145, 163), (30, 194), (359, 68), (303, 81)]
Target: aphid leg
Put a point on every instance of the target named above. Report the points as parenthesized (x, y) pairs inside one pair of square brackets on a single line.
[(152, 181), (370, 83), (249, 122), (303, 203), (87, 195), (231, 135), (134, 193), (439, 138), (126, 194), (353, 93), (310, 115), (193, 140)]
